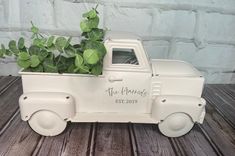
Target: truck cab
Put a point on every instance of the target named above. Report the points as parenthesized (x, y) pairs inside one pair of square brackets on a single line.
[(132, 88)]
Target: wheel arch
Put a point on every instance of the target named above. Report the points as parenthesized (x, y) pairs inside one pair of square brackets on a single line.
[(62, 104), (165, 117), (176, 124), (164, 106)]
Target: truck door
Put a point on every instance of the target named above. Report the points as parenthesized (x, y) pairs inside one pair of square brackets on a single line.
[(128, 76)]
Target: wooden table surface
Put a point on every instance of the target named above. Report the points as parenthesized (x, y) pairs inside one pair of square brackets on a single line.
[(216, 136)]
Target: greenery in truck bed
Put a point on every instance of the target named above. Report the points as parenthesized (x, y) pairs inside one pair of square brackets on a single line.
[(57, 54)]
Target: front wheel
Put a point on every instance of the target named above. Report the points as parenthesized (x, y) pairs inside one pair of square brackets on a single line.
[(47, 123), (176, 124)]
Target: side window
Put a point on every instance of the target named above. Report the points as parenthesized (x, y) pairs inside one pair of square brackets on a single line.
[(124, 56)]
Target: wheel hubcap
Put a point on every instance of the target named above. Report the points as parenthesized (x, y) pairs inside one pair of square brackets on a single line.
[(47, 123)]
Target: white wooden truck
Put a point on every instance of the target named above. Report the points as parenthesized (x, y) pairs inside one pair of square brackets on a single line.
[(132, 88)]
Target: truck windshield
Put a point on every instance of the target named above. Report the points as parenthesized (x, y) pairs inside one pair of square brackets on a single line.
[(124, 56)]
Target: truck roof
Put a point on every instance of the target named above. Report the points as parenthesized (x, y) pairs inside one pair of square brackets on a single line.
[(121, 36)]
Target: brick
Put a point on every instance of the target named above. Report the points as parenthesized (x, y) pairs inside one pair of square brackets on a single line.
[(217, 77), (183, 51), (151, 22), (174, 23), (210, 3), (69, 15), (138, 21), (5, 37), (39, 11), (156, 49), (213, 56), (220, 27), (2, 15)]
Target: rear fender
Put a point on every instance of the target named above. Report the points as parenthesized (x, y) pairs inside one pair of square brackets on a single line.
[(61, 103), (165, 105)]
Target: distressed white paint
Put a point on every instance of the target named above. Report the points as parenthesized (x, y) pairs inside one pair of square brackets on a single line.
[(200, 32)]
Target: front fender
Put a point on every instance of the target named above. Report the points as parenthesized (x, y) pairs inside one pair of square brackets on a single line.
[(165, 105), (61, 103)]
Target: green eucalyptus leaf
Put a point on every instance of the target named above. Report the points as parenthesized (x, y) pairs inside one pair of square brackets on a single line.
[(70, 51), (60, 43), (90, 14), (34, 61), (100, 48), (75, 70), (52, 47), (68, 42), (34, 29), (50, 41), (21, 43), (50, 56), (42, 54), (38, 68), (96, 70), (96, 34), (85, 26), (76, 46), (36, 41), (40, 42), (78, 60), (94, 22), (84, 69), (3, 48), (83, 44), (12, 47), (1, 53), (71, 68), (34, 50), (24, 63), (8, 52), (91, 56), (84, 34), (23, 56), (63, 63), (33, 36), (49, 66)]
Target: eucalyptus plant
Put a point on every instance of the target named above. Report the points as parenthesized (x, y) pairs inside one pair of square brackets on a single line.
[(57, 53)]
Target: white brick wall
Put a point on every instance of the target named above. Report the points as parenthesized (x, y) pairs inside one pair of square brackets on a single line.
[(200, 32)]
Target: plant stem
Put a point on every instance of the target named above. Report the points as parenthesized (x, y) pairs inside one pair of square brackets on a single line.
[(96, 6), (32, 23), (58, 59), (41, 35)]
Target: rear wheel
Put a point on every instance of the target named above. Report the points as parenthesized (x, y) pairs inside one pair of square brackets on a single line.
[(47, 123), (176, 125)]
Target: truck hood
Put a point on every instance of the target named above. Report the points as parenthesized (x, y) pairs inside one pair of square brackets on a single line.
[(173, 68)]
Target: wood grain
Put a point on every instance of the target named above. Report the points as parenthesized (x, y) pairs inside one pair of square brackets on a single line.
[(194, 144), (18, 139), (227, 90), (73, 141), (150, 142), (221, 103), (9, 101), (219, 132), (112, 140), (6, 81)]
